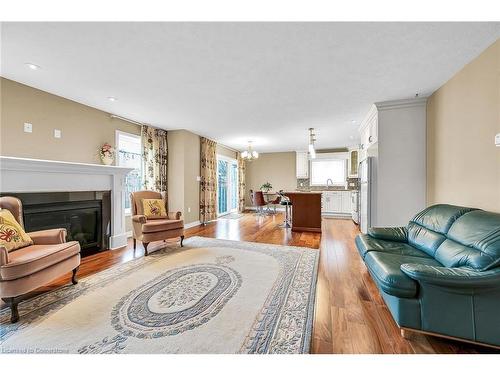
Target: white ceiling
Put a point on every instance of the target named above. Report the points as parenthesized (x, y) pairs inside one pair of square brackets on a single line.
[(234, 82)]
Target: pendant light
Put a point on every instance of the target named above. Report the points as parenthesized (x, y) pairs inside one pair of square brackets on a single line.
[(312, 139)]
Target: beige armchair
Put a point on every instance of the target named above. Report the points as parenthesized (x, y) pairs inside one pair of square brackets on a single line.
[(28, 268), (149, 230)]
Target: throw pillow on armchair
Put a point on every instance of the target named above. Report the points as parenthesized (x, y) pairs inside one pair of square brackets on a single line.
[(12, 235), (154, 208)]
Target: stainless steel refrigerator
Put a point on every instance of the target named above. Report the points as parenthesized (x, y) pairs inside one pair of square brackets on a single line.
[(365, 192)]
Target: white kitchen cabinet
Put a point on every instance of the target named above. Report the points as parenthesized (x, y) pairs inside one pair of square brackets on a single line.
[(336, 203), (302, 164), (368, 132), (353, 162), (393, 133), (346, 202)]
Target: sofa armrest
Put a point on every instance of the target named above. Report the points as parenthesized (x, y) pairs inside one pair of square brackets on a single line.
[(174, 215), (139, 219), (4, 256), (48, 236), (398, 234), (452, 277)]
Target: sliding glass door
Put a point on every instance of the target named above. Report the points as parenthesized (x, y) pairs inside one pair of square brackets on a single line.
[(227, 185)]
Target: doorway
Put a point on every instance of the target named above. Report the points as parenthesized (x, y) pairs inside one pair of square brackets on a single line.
[(227, 185)]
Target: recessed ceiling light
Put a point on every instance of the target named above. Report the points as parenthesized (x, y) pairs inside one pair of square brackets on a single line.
[(112, 99), (353, 121), (351, 137), (32, 66)]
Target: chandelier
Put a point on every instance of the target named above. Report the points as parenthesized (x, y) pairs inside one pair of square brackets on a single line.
[(249, 154)]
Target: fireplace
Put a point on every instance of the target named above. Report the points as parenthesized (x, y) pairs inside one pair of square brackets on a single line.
[(86, 216), (39, 181)]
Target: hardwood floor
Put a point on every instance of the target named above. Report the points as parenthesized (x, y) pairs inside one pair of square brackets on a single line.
[(350, 316)]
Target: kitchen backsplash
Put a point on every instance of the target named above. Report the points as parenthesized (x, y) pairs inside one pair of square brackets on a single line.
[(303, 184)]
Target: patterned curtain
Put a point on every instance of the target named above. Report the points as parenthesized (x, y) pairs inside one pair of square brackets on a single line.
[(208, 184), (241, 182), (154, 158)]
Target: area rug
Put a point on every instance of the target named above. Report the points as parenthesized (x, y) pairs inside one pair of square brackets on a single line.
[(211, 296)]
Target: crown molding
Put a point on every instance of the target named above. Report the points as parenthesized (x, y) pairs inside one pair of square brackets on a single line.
[(402, 103)]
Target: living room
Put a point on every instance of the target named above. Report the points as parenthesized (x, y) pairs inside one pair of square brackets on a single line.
[(250, 187)]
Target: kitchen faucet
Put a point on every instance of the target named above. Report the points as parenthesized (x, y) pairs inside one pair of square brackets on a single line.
[(328, 182)]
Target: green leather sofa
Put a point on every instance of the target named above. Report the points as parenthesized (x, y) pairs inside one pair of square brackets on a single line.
[(440, 273)]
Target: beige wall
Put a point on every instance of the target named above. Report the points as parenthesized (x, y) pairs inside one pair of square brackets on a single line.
[(183, 168), (463, 116), (223, 150), (84, 129), (276, 167)]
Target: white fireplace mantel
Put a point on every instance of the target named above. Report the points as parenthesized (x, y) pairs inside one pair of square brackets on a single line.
[(21, 175)]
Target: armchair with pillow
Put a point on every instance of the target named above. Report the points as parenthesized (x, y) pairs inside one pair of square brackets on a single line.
[(151, 221), (30, 260)]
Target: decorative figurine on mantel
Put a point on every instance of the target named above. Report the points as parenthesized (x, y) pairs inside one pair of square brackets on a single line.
[(107, 154)]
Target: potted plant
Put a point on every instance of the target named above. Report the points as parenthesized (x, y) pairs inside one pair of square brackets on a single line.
[(107, 154), (266, 187)]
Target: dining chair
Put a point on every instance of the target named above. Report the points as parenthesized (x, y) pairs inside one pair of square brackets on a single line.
[(259, 202)]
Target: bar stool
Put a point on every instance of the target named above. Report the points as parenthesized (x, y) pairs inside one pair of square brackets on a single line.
[(274, 202), (285, 201)]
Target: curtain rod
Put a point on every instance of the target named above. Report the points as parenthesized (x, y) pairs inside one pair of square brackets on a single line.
[(127, 120)]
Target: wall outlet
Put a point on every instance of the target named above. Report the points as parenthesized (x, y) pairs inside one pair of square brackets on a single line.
[(57, 133), (28, 128), (497, 140), (198, 178), (189, 209)]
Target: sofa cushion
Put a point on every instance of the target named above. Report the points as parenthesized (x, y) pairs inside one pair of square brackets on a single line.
[(473, 241), (160, 225), (427, 230), (386, 271), (31, 259), (365, 243)]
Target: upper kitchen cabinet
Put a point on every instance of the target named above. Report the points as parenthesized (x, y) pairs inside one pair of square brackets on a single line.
[(368, 132), (302, 164), (353, 162)]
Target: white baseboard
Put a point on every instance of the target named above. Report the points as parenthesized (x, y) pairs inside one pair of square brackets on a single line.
[(193, 224)]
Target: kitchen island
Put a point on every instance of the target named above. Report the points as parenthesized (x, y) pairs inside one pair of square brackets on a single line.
[(306, 211)]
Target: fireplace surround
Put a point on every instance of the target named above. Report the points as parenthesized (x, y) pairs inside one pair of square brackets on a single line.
[(22, 175)]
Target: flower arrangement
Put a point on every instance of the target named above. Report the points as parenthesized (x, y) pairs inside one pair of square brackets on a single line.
[(267, 186), (107, 153)]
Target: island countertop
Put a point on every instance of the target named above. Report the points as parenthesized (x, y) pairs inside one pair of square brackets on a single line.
[(306, 210)]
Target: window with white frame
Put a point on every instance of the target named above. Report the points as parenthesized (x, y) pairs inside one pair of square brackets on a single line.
[(322, 170), (129, 154)]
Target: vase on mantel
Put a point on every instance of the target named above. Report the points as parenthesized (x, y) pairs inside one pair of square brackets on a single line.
[(107, 154), (107, 160)]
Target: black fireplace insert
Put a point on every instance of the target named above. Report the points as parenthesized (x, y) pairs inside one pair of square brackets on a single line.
[(86, 216)]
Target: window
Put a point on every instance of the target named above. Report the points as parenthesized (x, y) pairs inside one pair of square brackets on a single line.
[(324, 169), (129, 155)]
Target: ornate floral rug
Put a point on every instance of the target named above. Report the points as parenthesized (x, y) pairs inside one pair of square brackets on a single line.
[(211, 296)]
